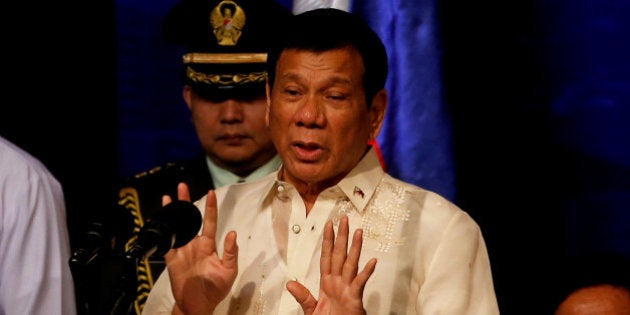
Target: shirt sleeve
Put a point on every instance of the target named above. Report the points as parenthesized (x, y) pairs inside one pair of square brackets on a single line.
[(462, 258), (35, 275)]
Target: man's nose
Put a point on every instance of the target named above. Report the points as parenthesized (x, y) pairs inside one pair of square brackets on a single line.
[(311, 112), (231, 111)]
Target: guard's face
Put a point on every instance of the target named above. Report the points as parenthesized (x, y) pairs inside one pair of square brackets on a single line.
[(232, 132), (318, 115)]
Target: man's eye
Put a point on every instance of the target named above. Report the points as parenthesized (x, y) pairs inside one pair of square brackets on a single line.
[(337, 97), (291, 91)]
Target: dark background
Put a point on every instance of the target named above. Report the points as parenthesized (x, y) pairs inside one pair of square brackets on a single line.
[(538, 92), (60, 100)]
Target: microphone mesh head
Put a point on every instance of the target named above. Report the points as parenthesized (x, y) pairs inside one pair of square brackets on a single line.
[(183, 220)]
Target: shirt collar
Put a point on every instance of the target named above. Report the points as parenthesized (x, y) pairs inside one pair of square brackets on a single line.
[(222, 177), (358, 186)]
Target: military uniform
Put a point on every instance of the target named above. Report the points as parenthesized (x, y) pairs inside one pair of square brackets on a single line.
[(142, 195), (227, 43)]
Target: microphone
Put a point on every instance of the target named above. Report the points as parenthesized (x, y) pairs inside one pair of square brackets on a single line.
[(96, 241), (101, 234), (173, 226)]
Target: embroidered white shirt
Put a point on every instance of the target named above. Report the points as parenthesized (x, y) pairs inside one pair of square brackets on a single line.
[(432, 258)]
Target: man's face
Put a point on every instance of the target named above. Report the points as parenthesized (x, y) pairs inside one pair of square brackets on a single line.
[(318, 115), (232, 132)]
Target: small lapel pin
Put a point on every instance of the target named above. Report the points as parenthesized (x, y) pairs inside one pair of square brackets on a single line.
[(358, 191)]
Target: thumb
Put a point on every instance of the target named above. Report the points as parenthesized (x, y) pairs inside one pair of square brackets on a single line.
[(303, 296), (230, 251)]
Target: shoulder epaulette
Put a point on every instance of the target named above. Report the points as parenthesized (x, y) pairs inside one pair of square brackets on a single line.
[(155, 170)]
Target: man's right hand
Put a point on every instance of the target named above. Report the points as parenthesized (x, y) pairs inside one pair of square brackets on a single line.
[(200, 279)]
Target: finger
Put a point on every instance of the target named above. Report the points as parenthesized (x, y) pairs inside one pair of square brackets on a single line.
[(327, 247), (340, 248), (303, 296), (210, 219), (230, 251), (166, 199), (351, 265), (361, 279), (183, 192)]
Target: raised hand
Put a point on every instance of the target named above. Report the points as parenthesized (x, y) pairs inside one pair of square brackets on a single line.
[(200, 279), (340, 287)]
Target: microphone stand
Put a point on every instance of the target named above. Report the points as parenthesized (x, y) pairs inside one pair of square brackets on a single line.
[(126, 289), (78, 268), (104, 285)]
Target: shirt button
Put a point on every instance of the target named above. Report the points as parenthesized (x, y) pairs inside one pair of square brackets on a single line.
[(296, 228)]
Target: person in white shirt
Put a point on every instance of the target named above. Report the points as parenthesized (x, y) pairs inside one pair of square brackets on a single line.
[(281, 245), (35, 276)]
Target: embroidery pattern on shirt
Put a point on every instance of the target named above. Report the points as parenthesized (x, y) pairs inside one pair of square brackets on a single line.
[(261, 302), (382, 214), (251, 296), (344, 207)]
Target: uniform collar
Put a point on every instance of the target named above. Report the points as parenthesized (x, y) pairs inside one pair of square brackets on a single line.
[(222, 177)]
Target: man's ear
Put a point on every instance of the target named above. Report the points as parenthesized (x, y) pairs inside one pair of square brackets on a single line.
[(187, 95), (268, 107), (377, 112)]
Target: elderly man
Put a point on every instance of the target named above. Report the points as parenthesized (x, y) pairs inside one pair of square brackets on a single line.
[(412, 251)]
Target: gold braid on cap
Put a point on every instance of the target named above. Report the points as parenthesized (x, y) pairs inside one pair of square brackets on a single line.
[(224, 58), (226, 79)]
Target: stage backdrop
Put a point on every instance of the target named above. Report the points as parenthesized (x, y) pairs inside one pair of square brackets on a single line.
[(517, 111)]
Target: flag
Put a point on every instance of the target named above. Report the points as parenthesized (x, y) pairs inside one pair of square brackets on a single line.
[(416, 137)]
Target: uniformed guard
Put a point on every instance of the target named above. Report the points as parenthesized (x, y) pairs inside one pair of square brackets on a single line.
[(224, 80)]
